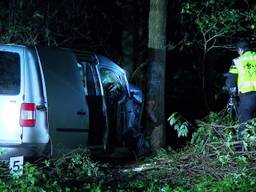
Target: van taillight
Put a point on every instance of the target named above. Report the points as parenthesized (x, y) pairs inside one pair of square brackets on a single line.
[(27, 115)]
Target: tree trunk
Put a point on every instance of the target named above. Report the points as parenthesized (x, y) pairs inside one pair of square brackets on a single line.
[(12, 12), (155, 125)]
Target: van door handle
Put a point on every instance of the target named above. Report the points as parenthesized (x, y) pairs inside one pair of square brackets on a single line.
[(41, 107), (81, 113)]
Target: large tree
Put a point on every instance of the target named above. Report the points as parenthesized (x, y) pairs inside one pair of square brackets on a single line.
[(155, 96)]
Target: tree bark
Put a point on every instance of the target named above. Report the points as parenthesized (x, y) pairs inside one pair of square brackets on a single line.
[(12, 12), (155, 125)]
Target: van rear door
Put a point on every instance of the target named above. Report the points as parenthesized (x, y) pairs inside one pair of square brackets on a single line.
[(11, 91)]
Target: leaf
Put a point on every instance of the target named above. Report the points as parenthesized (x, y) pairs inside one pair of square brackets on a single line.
[(176, 127), (172, 121)]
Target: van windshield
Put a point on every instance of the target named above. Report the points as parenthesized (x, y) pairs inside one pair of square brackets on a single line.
[(9, 73)]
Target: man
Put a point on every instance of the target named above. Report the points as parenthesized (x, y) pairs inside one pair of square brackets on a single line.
[(242, 74)]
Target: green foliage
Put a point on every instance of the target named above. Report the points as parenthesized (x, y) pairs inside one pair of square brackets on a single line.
[(32, 179), (162, 153), (209, 163), (230, 183), (20, 34), (24, 23), (216, 22), (216, 139), (76, 165), (211, 134), (223, 22), (53, 175), (180, 124)]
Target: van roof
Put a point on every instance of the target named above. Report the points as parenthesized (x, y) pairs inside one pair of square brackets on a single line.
[(13, 45), (80, 54)]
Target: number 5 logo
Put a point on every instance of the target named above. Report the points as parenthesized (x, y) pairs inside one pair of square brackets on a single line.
[(16, 165)]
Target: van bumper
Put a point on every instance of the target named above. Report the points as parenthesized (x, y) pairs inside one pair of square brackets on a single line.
[(31, 151)]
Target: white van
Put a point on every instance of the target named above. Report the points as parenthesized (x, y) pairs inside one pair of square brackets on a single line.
[(52, 99)]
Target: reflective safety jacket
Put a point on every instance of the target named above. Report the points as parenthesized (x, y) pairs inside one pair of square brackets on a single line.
[(245, 68)]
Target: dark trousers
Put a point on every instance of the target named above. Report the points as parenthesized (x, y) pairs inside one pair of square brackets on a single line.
[(246, 108)]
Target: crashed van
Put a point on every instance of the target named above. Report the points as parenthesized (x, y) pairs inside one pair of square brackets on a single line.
[(57, 100)]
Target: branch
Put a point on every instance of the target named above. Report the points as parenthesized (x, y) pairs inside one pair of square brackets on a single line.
[(217, 126), (214, 37)]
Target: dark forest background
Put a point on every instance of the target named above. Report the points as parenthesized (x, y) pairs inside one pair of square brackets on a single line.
[(200, 37)]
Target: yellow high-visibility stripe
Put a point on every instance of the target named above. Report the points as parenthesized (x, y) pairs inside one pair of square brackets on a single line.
[(247, 84), (247, 58)]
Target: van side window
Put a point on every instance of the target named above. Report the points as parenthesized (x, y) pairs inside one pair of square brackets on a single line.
[(9, 73)]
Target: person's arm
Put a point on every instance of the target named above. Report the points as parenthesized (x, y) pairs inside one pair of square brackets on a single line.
[(231, 77)]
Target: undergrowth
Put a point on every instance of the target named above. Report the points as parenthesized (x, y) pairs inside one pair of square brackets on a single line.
[(210, 162)]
